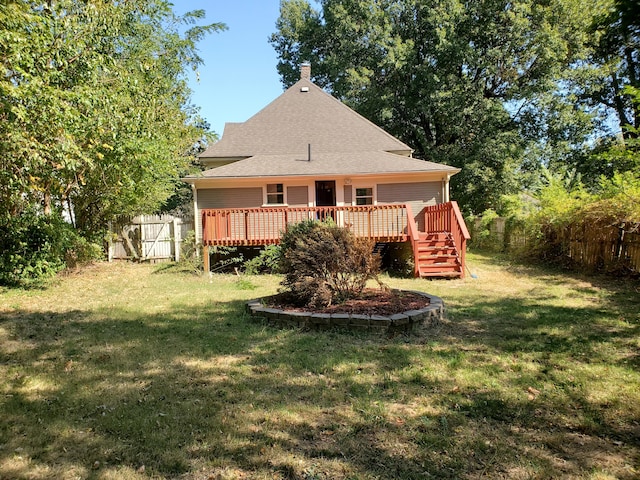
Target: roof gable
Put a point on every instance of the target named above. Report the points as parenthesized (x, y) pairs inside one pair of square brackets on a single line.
[(304, 115)]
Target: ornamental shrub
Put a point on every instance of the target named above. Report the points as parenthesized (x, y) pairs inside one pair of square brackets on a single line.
[(324, 264)]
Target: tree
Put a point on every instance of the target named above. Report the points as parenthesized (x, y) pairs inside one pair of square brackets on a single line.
[(181, 200), (617, 156), (606, 85), (451, 78), (94, 108), (616, 49)]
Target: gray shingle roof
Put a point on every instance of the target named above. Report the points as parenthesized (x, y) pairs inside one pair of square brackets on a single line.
[(325, 163), (274, 142), (298, 118)]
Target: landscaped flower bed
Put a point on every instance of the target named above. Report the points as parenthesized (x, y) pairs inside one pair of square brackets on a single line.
[(366, 315)]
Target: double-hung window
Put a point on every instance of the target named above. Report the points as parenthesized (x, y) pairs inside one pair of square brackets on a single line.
[(275, 194), (364, 196)]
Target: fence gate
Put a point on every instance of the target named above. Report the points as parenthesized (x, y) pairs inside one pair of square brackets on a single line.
[(148, 237)]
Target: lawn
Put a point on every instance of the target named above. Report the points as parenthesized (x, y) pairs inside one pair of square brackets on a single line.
[(135, 371)]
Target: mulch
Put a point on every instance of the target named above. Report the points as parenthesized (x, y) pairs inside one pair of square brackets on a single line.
[(370, 302)]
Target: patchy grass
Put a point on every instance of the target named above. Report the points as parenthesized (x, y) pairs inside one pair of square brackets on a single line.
[(131, 371)]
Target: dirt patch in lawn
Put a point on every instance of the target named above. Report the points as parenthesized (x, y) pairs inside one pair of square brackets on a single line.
[(371, 302)]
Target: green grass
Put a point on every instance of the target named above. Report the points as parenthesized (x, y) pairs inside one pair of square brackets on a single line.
[(134, 371)]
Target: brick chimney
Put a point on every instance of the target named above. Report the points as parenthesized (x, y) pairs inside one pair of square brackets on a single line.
[(305, 71)]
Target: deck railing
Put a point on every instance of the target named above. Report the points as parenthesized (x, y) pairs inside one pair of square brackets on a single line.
[(262, 226)]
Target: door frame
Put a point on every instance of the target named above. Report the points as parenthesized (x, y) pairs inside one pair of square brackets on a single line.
[(329, 185)]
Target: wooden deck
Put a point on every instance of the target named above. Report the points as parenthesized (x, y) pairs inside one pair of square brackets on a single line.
[(381, 223), (264, 226)]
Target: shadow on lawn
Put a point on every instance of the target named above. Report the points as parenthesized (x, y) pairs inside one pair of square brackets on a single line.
[(528, 325), (204, 388)]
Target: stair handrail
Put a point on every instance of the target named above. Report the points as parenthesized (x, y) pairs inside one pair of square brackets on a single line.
[(414, 236), (412, 228), (460, 220), (460, 235)]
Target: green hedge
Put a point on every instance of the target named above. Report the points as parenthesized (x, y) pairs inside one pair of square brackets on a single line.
[(34, 247)]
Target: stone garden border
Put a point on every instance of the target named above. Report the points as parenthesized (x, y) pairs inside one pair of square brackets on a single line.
[(400, 322)]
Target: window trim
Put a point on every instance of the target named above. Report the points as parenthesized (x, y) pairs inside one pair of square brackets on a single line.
[(356, 196), (267, 193)]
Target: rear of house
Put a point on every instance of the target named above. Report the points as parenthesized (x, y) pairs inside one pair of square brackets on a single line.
[(307, 155)]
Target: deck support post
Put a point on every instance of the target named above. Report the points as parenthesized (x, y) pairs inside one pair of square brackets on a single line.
[(206, 259)]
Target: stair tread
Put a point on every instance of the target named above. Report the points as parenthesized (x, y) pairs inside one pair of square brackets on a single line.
[(442, 262), (442, 274), (440, 265)]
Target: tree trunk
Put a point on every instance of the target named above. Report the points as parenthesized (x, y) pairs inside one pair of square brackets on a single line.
[(46, 203)]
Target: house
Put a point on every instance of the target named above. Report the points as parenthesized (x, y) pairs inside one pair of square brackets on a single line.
[(307, 155)]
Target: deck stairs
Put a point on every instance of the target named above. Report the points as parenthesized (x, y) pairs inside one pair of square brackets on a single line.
[(438, 256), (380, 248)]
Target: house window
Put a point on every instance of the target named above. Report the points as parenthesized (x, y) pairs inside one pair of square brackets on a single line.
[(364, 196), (275, 194)]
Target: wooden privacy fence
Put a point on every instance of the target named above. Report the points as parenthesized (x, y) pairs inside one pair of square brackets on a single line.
[(592, 247), (606, 248), (148, 237)]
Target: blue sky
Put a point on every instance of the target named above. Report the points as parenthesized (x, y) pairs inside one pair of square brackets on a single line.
[(239, 74)]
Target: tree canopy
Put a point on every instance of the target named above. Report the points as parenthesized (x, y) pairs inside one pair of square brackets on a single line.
[(94, 105), (616, 48), (500, 88)]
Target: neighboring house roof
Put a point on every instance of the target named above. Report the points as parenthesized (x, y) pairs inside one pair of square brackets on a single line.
[(276, 141)]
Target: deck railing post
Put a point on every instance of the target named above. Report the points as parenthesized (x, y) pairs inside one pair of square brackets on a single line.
[(246, 225), (450, 217), (286, 220)]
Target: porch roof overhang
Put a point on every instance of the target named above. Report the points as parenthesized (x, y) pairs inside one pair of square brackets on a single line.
[(322, 165)]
